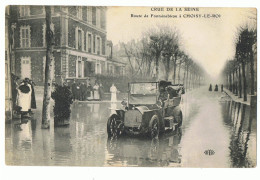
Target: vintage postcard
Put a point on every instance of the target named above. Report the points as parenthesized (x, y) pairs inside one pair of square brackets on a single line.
[(130, 86)]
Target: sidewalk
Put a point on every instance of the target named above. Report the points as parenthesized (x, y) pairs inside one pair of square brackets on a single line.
[(235, 98)]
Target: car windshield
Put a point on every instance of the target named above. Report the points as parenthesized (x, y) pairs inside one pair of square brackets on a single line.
[(143, 88)]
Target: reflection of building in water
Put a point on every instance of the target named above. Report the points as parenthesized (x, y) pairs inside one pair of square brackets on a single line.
[(242, 119)]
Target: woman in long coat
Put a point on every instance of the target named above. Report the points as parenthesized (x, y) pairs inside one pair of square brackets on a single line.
[(96, 92), (113, 91)]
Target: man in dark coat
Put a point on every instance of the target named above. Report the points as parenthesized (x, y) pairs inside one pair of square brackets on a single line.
[(14, 86), (210, 87), (83, 91), (78, 92), (216, 88), (33, 100), (74, 89)]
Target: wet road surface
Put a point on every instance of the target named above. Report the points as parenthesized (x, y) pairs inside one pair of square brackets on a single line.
[(216, 132)]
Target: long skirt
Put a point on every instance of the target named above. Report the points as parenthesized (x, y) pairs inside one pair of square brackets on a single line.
[(96, 95), (113, 97), (24, 101)]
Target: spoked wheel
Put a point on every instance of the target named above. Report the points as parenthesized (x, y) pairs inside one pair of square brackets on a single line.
[(115, 126), (154, 127)]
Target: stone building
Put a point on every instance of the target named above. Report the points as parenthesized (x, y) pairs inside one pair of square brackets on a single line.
[(80, 42)]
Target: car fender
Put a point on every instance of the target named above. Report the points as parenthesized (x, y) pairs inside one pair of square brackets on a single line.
[(177, 111)]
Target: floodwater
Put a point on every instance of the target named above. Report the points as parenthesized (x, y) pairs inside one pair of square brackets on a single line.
[(216, 132)]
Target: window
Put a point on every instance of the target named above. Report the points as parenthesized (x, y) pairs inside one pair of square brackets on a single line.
[(98, 67), (79, 39), (110, 69), (89, 14), (25, 37), (24, 11), (98, 18), (79, 12), (44, 33), (80, 68), (89, 42), (52, 66)]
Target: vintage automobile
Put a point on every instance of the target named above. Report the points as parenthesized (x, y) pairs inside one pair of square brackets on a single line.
[(152, 108)]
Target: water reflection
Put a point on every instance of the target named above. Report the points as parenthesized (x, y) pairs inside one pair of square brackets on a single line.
[(241, 119), (127, 151)]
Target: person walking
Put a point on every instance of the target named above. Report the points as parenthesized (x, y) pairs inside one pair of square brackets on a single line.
[(113, 91), (216, 88), (210, 87), (222, 87)]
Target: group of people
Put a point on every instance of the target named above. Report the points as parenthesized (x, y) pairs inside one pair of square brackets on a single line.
[(216, 87), (23, 95), (83, 91)]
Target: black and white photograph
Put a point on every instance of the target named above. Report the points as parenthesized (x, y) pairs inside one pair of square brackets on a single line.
[(122, 86)]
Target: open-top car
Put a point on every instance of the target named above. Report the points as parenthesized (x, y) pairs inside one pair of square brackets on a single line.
[(152, 108)]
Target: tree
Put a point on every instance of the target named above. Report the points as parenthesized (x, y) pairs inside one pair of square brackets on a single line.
[(48, 70)]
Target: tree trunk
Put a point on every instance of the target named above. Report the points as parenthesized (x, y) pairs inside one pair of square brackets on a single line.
[(237, 79), (48, 70), (157, 67), (230, 82), (179, 77), (174, 68), (239, 82), (252, 73), (244, 81), (190, 80), (184, 76), (233, 75), (187, 78)]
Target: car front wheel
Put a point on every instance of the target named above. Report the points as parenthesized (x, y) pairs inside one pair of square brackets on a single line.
[(154, 127), (114, 126)]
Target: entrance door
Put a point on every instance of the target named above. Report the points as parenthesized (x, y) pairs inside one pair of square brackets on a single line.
[(26, 68)]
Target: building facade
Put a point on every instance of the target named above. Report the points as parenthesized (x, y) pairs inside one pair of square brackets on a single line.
[(8, 91), (80, 41)]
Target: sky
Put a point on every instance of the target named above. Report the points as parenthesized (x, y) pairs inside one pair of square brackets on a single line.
[(208, 41)]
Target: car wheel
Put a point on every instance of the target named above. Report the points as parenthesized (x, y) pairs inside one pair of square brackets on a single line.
[(154, 127), (179, 119), (115, 126)]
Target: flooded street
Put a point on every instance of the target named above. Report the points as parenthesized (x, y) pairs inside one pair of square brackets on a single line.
[(216, 132)]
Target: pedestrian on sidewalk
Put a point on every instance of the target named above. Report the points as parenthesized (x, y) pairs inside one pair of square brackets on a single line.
[(83, 91), (113, 91), (101, 91), (216, 88), (222, 87), (210, 87), (74, 89), (96, 92)]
